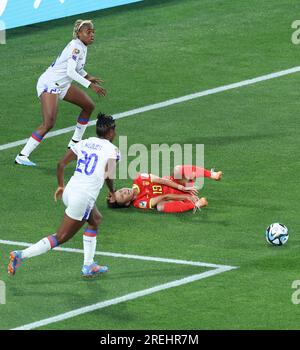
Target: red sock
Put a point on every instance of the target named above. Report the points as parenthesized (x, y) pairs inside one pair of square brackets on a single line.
[(178, 206), (191, 172)]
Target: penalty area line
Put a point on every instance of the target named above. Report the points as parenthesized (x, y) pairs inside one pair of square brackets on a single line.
[(127, 256), (124, 298), (169, 103), (216, 269)]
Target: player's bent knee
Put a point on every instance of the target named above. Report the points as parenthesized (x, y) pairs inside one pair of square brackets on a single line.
[(89, 108), (92, 106)]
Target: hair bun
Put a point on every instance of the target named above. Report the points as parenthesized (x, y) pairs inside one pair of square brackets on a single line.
[(101, 116), (104, 124)]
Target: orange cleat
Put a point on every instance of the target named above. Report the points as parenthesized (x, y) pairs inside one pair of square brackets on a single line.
[(15, 259)]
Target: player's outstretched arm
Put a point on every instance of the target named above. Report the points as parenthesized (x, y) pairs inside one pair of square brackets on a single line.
[(69, 157)]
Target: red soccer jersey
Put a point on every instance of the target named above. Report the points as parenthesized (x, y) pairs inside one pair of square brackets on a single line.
[(147, 190)]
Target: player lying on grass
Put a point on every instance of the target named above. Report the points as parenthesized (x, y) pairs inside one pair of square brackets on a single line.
[(173, 194), (56, 84), (96, 161)]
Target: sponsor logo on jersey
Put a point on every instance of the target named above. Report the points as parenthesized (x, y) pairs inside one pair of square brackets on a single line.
[(75, 52), (143, 204)]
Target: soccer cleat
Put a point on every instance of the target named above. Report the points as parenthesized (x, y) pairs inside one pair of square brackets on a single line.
[(216, 175), (93, 270), (23, 160), (202, 202), (14, 262), (72, 143)]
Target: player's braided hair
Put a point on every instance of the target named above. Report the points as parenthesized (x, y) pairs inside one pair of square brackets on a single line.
[(79, 24), (104, 124)]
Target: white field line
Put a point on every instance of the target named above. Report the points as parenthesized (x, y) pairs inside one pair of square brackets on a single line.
[(169, 102), (131, 296), (126, 256), (124, 298)]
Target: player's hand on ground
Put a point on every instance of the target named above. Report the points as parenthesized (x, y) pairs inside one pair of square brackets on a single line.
[(58, 193), (98, 89)]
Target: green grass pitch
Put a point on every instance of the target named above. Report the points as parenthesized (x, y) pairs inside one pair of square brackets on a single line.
[(147, 53)]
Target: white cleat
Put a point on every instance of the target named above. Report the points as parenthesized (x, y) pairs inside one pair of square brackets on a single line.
[(23, 160)]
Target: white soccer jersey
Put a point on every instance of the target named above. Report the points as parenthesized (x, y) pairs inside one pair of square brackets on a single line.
[(93, 154), (69, 66)]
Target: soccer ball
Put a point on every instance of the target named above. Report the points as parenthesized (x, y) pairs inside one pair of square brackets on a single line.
[(277, 234)]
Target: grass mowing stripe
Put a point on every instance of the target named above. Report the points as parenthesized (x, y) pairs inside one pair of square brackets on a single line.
[(169, 103)]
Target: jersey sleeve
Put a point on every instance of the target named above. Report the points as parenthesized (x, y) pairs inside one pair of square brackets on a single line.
[(74, 51), (83, 73), (73, 58), (145, 177), (114, 153), (71, 71)]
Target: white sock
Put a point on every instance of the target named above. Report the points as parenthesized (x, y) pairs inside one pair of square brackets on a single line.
[(89, 246), (31, 144), (41, 247), (80, 129)]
